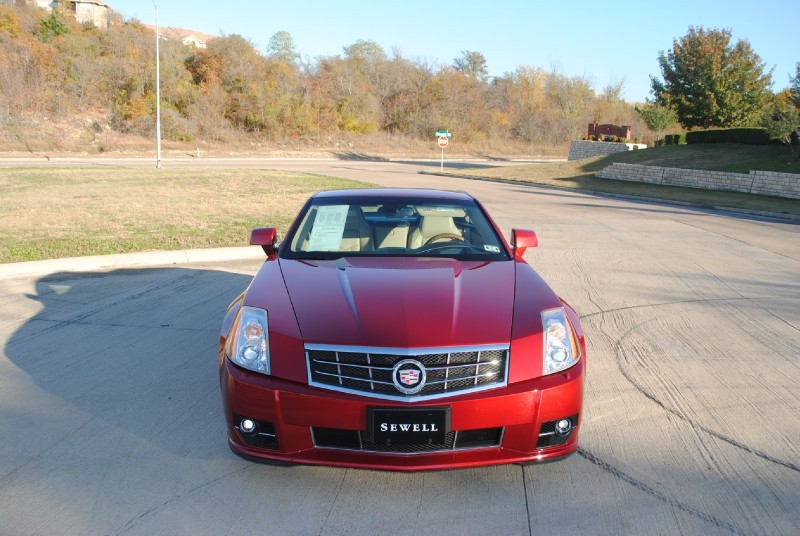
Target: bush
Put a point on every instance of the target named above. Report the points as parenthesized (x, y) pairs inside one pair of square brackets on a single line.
[(748, 136), (674, 139), (52, 26), (9, 21)]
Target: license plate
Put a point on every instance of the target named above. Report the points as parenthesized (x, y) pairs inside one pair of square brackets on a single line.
[(398, 426)]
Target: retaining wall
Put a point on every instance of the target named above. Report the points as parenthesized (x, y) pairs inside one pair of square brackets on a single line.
[(755, 182), (580, 149)]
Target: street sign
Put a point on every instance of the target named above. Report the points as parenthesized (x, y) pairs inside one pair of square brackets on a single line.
[(442, 141), (440, 133)]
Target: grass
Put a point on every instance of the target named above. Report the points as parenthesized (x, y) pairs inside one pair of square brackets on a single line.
[(47, 214), (729, 157), (579, 174), (54, 213)]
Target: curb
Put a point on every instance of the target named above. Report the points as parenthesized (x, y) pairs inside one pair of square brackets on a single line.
[(778, 216), (128, 260)]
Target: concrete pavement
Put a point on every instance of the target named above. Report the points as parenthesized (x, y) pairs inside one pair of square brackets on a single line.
[(112, 421)]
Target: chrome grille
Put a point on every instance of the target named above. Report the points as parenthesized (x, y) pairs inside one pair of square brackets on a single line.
[(368, 371)]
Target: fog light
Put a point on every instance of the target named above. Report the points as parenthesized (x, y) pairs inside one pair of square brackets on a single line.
[(247, 426), (563, 427)]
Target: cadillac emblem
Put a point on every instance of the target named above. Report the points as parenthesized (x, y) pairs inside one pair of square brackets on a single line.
[(409, 376)]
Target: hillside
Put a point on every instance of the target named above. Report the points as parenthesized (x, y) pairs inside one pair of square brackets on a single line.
[(101, 84)]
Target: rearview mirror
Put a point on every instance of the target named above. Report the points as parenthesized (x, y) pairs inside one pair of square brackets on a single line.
[(264, 237), (522, 239)]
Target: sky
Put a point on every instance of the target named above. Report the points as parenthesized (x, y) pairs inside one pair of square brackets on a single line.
[(606, 41)]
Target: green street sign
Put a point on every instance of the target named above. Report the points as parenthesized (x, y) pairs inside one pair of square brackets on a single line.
[(443, 133)]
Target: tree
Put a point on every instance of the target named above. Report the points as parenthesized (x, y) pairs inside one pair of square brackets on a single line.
[(610, 107), (52, 26), (281, 47), (794, 88), (572, 99), (782, 117), (711, 82), (782, 121), (472, 64), (658, 118), (366, 51)]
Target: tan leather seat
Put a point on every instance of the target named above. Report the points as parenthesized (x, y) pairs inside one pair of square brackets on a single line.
[(430, 226), (391, 236), (357, 234)]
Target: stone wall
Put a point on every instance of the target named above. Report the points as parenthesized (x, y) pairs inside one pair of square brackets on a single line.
[(580, 149), (755, 182)]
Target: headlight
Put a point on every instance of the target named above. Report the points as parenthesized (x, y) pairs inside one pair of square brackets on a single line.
[(560, 347), (250, 348)]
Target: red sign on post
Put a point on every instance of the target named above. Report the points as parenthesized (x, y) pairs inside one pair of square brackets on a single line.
[(442, 141)]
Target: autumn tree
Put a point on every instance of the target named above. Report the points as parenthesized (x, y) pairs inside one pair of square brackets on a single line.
[(128, 64), (403, 98), (232, 90), (457, 104), (367, 59), (609, 106), (521, 101), (572, 98), (472, 64), (342, 97), (346, 90), (712, 82)]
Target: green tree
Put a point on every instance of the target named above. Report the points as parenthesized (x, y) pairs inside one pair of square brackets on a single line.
[(52, 26), (281, 47), (782, 120), (711, 82), (794, 88), (658, 118), (365, 50), (472, 64), (782, 117)]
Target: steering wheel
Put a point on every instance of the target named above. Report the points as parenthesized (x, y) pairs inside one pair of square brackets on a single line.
[(440, 236)]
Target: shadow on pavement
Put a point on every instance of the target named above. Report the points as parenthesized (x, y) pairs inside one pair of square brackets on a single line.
[(130, 353)]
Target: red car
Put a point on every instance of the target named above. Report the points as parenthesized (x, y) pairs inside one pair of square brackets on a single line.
[(397, 329)]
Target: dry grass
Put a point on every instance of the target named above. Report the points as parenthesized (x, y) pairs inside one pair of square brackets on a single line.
[(75, 212), (71, 137)]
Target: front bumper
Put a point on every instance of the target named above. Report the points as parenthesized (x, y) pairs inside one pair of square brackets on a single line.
[(291, 413)]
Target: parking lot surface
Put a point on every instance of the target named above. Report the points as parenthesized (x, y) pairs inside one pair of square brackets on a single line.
[(111, 417)]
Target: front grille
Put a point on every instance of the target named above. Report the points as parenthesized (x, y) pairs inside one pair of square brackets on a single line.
[(370, 370), (334, 438)]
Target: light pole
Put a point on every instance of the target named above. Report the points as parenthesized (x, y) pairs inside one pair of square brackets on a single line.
[(158, 95)]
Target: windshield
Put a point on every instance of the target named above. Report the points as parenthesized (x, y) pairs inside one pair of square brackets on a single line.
[(398, 227)]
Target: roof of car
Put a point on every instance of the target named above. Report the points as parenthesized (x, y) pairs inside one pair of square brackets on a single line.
[(394, 192)]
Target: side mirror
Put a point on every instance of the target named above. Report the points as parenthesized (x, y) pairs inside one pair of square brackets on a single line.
[(264, 237), (521, 240)]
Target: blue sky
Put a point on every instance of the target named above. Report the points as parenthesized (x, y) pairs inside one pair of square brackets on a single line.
[(607, 41)]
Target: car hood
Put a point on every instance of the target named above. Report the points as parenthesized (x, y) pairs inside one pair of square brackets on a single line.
[(401, 303)]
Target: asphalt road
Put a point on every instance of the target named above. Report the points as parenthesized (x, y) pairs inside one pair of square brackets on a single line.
[(111, 419)]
